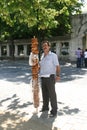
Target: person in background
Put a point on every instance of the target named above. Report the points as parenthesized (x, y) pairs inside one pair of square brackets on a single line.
[(78, 54), (82, 58), (49, 73), (85, 57)]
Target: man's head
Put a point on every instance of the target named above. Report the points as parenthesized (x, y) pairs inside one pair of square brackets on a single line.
[(46, 46)]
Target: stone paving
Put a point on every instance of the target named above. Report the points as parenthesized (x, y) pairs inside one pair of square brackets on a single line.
[(16, 102)]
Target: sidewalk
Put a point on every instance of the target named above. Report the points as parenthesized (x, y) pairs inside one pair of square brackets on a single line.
[(16, 103)]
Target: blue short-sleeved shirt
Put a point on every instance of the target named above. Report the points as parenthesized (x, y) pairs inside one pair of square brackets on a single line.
[(48, 64)]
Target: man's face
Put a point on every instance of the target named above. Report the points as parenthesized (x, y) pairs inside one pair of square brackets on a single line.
[(45, 47)]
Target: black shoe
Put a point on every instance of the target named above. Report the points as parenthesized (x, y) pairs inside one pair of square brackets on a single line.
[(43, 110), (52, 115)]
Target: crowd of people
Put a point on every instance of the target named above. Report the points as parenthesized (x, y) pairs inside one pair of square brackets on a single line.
[(81, 58)]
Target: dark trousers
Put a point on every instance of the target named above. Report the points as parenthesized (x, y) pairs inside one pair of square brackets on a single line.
[(86, 62), (78, 62), (49, 94)]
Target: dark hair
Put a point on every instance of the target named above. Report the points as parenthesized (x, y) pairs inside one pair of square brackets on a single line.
[(48, 43)]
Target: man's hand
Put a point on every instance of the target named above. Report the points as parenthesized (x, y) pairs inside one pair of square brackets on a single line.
[(57, 78)]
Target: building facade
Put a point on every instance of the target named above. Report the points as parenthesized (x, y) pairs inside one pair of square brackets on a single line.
[(78, 34), (18, 49)]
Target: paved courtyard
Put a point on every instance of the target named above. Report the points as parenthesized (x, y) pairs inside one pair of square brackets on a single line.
[(16, 102)]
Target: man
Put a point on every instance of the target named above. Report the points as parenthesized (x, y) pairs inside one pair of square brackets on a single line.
[(85, 57), (78, 54), (49, 72)]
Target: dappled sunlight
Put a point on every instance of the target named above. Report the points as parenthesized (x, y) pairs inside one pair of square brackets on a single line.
[(17, 111), (69, 72), (10, 121)]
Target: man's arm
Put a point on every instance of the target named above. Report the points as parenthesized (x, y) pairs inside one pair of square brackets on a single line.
[(58, 70), (58, 73)]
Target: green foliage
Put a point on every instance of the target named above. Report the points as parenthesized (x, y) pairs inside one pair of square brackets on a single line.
[(23, 18)]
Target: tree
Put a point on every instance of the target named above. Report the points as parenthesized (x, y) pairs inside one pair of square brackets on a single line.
[(38, 15), (32, 13), (66, 9)]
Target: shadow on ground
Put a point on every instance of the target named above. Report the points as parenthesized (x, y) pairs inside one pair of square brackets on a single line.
[(66, 110), (70, 72), (15, 71), (20, 71), (9, 121), (14, 116)]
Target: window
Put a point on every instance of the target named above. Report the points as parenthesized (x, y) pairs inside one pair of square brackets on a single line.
[(28, 49), (64, 48), (20, 50), (53, 47), (4, 50)]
